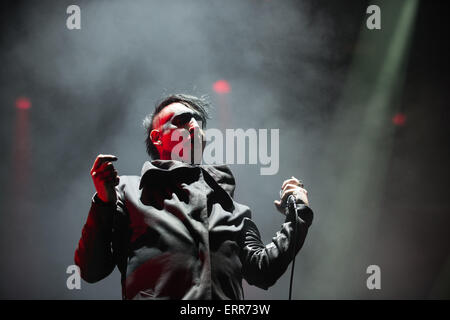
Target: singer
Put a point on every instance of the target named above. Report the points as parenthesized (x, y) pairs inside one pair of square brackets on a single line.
[(176, 232)]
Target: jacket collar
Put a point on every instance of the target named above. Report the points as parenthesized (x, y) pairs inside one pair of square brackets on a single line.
[(163, 165), (221, 174)]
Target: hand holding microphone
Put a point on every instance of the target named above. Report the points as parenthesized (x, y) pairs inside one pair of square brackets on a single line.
[(292, 190)]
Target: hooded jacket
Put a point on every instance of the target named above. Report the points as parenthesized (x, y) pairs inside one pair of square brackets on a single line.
[(175, 232)]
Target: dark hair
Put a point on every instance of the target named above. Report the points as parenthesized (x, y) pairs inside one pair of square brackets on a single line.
[(199, 104)]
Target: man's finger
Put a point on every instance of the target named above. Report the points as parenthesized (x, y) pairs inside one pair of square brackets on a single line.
[(291, 181), (295, 188), (288, 181), (110, 179), (298, 189), (105, 166), (101, 159), (299, 193), (106, 174), (289, 186), (287, 193), (277, 204)]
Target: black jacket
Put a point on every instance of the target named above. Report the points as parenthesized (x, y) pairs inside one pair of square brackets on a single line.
[(176, 233)]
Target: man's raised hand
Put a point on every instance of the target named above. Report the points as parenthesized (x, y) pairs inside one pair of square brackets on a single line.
[(291, 186), (105, 177)]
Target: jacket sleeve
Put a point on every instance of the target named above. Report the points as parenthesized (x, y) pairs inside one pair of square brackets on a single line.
[(263, 264), (94, 255)]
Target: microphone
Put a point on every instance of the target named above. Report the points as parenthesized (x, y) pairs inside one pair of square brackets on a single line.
[(290, 202)]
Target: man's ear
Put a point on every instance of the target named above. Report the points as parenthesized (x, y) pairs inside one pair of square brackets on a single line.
[(155, 137)]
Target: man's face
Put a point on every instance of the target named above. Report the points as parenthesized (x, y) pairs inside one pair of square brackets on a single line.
[(177, 134)]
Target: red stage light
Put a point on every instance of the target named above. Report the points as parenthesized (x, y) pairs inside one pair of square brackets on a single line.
[(222, 87), (399, 119), (23, 103)]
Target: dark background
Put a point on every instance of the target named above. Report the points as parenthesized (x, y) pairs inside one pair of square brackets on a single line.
[(363, 118)]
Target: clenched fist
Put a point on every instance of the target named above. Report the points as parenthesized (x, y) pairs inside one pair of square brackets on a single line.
[(291, 186), (105, 178)]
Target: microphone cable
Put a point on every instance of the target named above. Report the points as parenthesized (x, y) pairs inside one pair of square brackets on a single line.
[(292, 207)]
